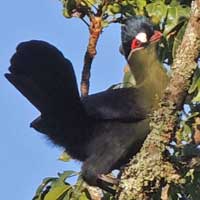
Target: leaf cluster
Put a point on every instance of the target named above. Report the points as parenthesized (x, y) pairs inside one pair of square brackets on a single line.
[(57, 188)]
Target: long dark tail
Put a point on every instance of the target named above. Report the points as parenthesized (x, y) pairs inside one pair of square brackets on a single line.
[(42, 74)]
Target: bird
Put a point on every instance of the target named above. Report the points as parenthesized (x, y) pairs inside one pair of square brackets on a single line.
[(103, 130)]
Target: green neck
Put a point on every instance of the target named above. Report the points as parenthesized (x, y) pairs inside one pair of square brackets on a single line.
[(151, 79)]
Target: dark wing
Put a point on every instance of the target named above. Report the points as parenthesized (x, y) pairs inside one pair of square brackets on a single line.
[(122, 104), (42, 74)]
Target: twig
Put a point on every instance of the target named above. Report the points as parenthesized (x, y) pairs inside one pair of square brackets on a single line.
[(95, 31), (85, 21)]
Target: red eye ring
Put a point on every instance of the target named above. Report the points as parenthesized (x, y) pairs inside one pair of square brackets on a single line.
[(135, 44)]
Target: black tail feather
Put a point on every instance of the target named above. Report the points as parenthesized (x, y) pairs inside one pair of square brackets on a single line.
[(27, 87), (40, 66), (42, 74)]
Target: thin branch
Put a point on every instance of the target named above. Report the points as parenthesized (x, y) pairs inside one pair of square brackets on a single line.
[(85, 22), (95, 31), (116, 20)]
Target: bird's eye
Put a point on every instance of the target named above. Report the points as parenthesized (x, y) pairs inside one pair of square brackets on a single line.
[(136, 44)]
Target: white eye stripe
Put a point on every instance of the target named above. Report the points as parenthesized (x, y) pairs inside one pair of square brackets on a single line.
[(142, 37)]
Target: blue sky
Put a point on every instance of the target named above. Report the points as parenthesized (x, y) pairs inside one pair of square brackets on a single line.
[(26, 157)]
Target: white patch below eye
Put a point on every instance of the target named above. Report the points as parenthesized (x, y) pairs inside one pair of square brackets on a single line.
[(142, 37)]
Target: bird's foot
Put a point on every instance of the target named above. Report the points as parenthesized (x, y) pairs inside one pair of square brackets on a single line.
[(107, 183)]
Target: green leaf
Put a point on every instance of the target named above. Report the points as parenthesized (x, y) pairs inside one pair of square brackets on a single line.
[(115, 8), (131, 2), (79, 187), (88, 3), (178, 39), (56, 192), (190, 174), (68, 7), (68, 195), (192, 116), (66, 13), (124, 3), (140, 4), (67, 174), (41, 188), (195, 82), (65, 157), (197, 97), (83, 196), (157, 11), (60, 188), (187, 131), (105, 23), (195, 86), (175, 15), (185, 134)]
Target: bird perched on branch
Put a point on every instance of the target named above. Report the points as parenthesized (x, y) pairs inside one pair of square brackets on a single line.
[(104, 129)]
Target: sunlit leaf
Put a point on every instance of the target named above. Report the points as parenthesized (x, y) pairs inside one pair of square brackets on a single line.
[(157, 11), (65, 157), (115, 8), (175, 14), (88, 3), (67, 174), (68, 7), (66, 13), (56, 192), (83, 196), (185, 133), (140, 6), (41, 188), (197, 97), (68, 195)]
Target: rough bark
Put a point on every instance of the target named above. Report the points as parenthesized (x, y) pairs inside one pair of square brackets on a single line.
[(149, 170)]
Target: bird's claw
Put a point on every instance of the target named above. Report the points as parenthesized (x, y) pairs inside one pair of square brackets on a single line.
[(107, 183)]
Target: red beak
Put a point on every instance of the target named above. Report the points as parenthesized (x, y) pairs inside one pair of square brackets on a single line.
[(156, 36)]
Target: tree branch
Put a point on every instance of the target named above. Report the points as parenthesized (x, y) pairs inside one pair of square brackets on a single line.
[(95, 31), (150, 168)]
